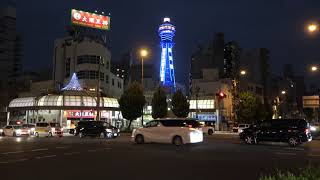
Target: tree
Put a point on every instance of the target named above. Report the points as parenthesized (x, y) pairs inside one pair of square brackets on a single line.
[(232, 60), (131, 102), (180, 104), (248, 108), (159, 104)]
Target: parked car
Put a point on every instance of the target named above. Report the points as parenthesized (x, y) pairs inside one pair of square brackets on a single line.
[(293, 131), (175, 131), (111, 131), (27, 129), (55, 129), (90, 128), (240, 127), (11, 130), (207, 127)]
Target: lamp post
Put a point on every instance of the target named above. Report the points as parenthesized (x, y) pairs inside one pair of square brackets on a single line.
[(143, 54), (98, 89), (236, 85)]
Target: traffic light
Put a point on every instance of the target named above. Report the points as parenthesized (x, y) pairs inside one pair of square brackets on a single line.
[(221, 95)]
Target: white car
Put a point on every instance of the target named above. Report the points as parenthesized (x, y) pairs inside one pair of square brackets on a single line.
[(11, 130), (240, 127), (207, 127), (175, 131)]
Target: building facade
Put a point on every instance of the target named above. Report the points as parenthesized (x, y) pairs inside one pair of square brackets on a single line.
[(90, 59), (10, 58)]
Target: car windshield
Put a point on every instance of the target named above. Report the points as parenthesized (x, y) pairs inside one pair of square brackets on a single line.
[(54, 124), (42, 124), (17, 127)]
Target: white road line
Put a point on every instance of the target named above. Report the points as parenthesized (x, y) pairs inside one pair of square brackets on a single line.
[(19, 160), (296, 149), (14, 152), (284, 153), (39, 150), (314, 155), (62, 147), (4, 162), (49, 156), (71, 153)]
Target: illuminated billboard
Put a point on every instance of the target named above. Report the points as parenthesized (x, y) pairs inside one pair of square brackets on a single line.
[(91, 20)]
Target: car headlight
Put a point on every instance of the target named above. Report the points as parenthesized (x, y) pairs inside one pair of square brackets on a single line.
[(53, 129), (61, 129), (240, 130), (195, 136), (109, 130), (312, 128), (18, 131), (1, 130), (32, 129)]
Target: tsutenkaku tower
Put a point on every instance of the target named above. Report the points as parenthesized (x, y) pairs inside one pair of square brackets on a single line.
[(166, 33)]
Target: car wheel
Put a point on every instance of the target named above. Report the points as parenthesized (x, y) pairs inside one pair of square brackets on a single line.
[(249, 140), (210, 131), (177, 140), (293, 141), (139, 139), (102, 135), (81, 135)]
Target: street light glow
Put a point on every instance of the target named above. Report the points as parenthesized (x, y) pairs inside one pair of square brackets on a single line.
[(243, 72), (314, 68), (283, 92), (143, 53), (312, 27)]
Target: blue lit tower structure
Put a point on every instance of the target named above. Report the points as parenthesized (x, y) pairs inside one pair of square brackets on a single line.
[(166, 34)]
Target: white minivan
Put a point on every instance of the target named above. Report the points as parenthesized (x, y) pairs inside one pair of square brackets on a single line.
[(175, 131)]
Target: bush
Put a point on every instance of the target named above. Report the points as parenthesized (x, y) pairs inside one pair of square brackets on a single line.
[(309, 173)]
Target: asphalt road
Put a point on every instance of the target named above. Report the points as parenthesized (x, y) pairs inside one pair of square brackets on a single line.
[(218, 157)]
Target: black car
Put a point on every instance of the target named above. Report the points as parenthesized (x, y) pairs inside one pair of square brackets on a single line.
[(90, 128), (293, 131), (112, 132)]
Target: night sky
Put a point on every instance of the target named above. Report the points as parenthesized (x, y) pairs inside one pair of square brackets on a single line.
[(275, 24)]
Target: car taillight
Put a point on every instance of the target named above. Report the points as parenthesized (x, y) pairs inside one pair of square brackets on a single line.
[(289, 130)]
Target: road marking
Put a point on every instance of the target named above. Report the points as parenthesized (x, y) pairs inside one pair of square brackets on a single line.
[(284, 153), (4, 162), (297, 149), (19, 160), (14, 152), (314, 155), (107, 148), (49, 156), (62, 147), (39, 150), (72, 153), (92, 150)]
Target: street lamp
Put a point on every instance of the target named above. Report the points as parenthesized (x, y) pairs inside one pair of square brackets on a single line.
[(314, 68), (243, 72), (283, 92), (143, 54), (312, 27)]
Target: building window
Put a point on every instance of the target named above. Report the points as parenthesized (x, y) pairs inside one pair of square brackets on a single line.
[(107, 79), (68, 67), (107, 65), (90, 75), (112, 82), (90, 59)]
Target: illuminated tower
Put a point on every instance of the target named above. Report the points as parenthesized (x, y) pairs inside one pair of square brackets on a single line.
[(166, 33)]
